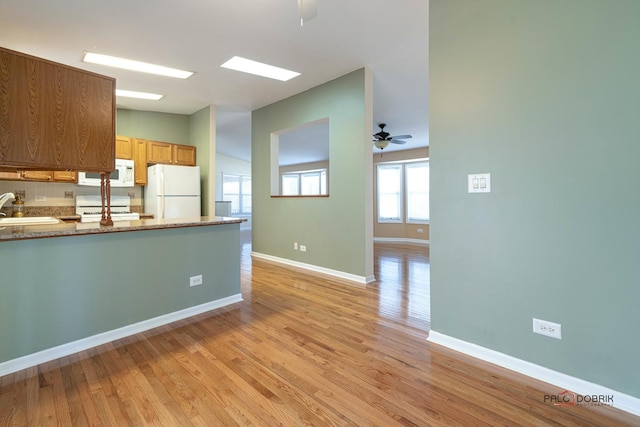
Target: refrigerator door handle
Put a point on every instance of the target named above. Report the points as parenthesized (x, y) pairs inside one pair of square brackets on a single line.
[(161, 201)]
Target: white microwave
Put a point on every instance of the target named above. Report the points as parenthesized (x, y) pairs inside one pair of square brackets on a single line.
[(121, 177)]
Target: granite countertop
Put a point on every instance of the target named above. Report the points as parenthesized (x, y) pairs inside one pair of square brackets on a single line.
[(61, 229)]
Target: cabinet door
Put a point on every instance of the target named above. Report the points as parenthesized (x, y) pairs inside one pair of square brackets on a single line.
[(37, 175), (57, 117), (65, 176), (124, 148), (184, 155), (159, 152), (11, 175), (140, 161), (29, 175)]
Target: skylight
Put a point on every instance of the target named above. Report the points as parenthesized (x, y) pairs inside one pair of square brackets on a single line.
[(129, 64), (259, 69)]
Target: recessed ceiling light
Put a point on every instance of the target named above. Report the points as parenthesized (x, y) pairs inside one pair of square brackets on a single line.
[(128, 64), (258, 68), (140, 95)]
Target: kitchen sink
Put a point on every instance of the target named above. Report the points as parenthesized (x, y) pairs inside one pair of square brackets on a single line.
[(28, 220)]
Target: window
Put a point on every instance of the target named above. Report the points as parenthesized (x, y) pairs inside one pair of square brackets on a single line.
[(300, 160), (237, 190), (403, 192), (417, 189), (390, 193), (304, 183), (290, 184)]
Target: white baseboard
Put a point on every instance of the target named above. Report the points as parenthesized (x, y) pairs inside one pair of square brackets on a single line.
[(63, 350), (621, 401), (400, 240), (359, 280)]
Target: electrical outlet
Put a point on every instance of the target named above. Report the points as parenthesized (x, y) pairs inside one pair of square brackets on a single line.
[(295, 246), (39, 198), (303, 248), (195, 280), (550, 329), (420, 230)]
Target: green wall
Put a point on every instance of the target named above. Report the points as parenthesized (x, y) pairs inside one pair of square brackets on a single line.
[(59, 290), (545, 96), (194, 129), (165, 127), (337, 229), (201, 127)]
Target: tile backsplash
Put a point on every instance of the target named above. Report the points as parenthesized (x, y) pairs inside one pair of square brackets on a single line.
[(60, 194)]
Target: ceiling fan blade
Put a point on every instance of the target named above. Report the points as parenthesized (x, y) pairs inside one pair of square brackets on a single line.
[(397, 141), (401, 137), (308, 9)]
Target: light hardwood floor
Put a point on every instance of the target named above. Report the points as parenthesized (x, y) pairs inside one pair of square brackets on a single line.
[(299, 350)]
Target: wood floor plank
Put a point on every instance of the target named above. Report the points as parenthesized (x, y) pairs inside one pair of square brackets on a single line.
[(72, 385), (301, 349)]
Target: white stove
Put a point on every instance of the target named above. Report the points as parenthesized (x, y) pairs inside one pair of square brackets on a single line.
[(90, 208)]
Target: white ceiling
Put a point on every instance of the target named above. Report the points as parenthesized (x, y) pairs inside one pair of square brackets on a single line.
[(389, 37)]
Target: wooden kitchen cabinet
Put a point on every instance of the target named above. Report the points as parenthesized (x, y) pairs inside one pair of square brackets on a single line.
[(159, 152), (65, 176), (140, 161), (184, 155), (47, 176), (55, 117), (124, 148), (172, 154), (10, 175), (37, 175), (134, 149)]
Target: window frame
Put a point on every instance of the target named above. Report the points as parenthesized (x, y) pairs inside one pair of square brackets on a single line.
[(403, 193), (399, 218), (322, 176), (242, 183), (409, 165)]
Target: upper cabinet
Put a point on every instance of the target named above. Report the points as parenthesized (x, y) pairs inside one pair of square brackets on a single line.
[(55, 117), (37, 175), (140, 159), (134, 149), (124, 147), (159, 152), (144, 152), (173, 154), (49, 176), (184, 155)]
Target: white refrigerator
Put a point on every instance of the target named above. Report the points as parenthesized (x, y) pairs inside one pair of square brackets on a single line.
[(172, 191)]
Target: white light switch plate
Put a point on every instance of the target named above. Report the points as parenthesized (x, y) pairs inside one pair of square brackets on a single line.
[(479, 183)]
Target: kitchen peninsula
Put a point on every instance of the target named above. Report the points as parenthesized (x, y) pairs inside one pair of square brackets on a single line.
[(68, 287)]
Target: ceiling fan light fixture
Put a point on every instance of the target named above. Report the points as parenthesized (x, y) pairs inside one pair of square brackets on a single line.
[(383, 139), (129, 64), (308, 9), (381, 143), (259, 69)]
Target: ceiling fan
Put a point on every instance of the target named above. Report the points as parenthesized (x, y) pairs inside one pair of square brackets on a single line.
[(382, 138)]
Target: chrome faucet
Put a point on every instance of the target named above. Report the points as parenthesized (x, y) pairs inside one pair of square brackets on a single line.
[(4, 198)]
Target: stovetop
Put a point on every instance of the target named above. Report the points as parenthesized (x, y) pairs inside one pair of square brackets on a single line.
[(90, 208)]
